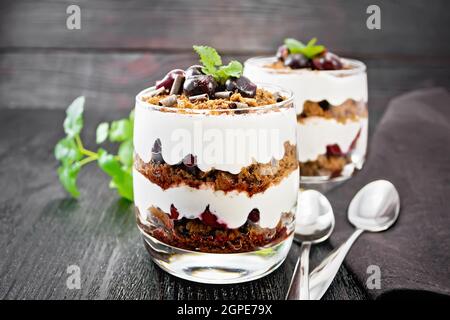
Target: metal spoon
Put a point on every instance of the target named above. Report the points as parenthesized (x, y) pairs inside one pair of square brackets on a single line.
[(314, 224), (374, 208)]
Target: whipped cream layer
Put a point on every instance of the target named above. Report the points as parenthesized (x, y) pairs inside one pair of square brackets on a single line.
[(335, 86), (316, 133), (231, 208), (227, 142)]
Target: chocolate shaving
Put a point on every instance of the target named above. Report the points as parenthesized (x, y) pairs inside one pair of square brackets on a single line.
[(156, 92), (177, 82), (200, 97), (223, 94), (240, 105), (169, 101)]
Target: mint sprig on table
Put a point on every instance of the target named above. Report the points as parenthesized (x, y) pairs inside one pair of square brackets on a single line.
[(310, 50), (72, 154), (212, 64)]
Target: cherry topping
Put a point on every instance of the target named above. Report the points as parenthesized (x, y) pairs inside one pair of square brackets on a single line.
[(199, 84), (297, 61), (253, 216), (168, 79), (282, 52), (174, 214), (194, 70), (334, 150), (156, 152), (210, 219), (327, 61), (243, 85)]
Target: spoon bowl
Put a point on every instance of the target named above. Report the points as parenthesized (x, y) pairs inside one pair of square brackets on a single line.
[(315, 219), (314, 224), (375, 207)]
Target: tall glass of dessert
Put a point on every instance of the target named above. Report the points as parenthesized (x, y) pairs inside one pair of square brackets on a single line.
[(330, 95), (215, 176)]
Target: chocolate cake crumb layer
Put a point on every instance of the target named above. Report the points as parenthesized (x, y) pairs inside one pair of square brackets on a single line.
[(195, 235), (349, 110), (253, 179), (262, 98), (325, 165)]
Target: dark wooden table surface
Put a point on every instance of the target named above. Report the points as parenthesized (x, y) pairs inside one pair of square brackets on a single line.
[(122, 47)]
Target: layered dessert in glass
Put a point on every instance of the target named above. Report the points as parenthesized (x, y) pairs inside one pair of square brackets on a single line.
[(330, 95), (215, 173)]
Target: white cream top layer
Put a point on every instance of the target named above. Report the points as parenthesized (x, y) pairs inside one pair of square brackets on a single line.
[(335, 86), (227, 142), (316, 133), (231, 208)]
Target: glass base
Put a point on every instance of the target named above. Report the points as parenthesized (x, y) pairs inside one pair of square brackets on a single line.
[(217, 268), (326, 183)]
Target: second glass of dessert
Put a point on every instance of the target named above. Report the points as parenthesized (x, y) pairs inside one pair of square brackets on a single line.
[(331, 101), (215, 173)]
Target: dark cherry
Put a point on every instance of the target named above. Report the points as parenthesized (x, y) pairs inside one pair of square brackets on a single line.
[(324, 104), (168, 79), (297, 61), (210, 219), (282, 52), (253, 216), (334, 150), (190, 164), (174, 214), (243, 85), (327, 61), (190, 161), (194, 70), (156, 152), (199, 84)]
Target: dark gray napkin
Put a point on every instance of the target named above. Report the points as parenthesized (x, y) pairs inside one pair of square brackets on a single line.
[(411, 148)]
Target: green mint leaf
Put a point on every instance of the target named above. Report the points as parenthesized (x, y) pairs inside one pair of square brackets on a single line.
[(293, 45), (66, 151), (233, 69), (121, 130), (209, 58), (102, 132), (311, 52), (122, 179), (108, 163), (125, 153), (74, 117), (68, 176), (124, 185), (312, 42)]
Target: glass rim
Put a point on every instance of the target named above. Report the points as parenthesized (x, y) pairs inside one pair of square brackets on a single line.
[(283, 91), (357, 66)]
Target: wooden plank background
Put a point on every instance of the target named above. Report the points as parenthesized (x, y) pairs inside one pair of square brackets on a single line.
[(122, 47)]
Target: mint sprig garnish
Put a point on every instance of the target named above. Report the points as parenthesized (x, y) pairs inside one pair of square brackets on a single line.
[(310, 50), (72, 154), (212, 64)]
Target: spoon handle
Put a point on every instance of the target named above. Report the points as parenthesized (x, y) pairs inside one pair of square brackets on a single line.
[(322, 276), (299, 287)]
